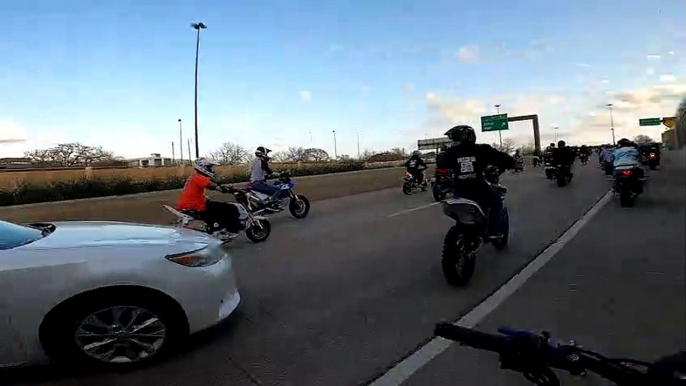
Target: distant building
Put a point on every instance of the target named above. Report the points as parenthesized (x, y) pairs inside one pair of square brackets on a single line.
[(15, 163), (155, 160)]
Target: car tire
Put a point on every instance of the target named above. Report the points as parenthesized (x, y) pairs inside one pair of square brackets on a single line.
[(64, 337)]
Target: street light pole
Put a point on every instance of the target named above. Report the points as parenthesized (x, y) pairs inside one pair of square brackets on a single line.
[(612, 124), (181, 142), (197, 27), (556, 128), (335, 147), (500, 132), (358, 146)]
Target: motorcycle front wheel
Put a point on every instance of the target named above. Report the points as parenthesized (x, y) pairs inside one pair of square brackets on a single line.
[(456, 261), (299, 206), (259, 231)]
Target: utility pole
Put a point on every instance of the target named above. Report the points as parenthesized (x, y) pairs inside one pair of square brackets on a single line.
[(612, 124), (335, 146), (500, 132), (197, 27), (189, 152), (181, 142), (358, 146), (173, 153)]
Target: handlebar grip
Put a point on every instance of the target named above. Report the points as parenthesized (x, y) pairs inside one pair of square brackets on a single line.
[(469, 337)]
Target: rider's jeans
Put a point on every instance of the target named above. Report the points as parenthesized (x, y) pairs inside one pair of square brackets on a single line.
[(490, 198), (264, 187)]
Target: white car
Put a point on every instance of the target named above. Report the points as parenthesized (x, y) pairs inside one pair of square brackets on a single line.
[(107, 293)]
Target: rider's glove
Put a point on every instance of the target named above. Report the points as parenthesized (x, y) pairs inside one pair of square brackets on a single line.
[(226, 189)]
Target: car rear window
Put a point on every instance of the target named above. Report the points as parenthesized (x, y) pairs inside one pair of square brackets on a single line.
[(13, 235)]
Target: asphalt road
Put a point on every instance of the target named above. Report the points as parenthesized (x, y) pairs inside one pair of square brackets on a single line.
[(618, 287), (338, 298)]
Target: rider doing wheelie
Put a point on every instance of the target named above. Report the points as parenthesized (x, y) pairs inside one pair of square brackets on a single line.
[(259, 174), (416, 166), (468, 161), (211, 212)]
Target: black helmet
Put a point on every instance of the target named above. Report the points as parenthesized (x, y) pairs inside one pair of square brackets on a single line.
[(561, 144), (462, 134), (262, 151), (624, 142)]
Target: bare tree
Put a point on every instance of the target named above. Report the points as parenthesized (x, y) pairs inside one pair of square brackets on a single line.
[(296, 154), (230, 154), (507, 147), (642, 139), (71, 154), (316, 155), (527, 149), (279, 156)]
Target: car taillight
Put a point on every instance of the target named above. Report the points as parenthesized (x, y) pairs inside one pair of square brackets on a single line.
[(626, 172)]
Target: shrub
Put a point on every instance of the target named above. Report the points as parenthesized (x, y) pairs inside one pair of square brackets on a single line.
[(34, 187)]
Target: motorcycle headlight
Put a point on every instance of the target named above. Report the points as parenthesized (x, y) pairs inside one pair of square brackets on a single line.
[(202, 257)]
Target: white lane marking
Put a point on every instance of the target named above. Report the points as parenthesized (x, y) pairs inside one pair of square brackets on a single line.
[(413, 209), (408, 366)]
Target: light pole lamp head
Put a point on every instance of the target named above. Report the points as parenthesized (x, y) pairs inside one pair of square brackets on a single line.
[(609, 105), (198, 26)]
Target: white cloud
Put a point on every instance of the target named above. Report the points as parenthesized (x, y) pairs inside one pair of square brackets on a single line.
[(671, 52), (605, 81), (431, 96), (366, 89), (650, 71), (305, 96), (667, 78), (583, 65), (408, 86), (654, 57), (469, 54)]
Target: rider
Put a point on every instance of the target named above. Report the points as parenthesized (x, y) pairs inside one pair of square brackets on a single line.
[(416, 166), (211, 212), (468, 162), (627, 154), (606, 158), (259, 174), (548, 154), (563, 155)]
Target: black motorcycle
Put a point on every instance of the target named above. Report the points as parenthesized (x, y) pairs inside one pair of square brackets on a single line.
[(465, 238), (628, 184), (550, 170), (563, 175), (441, 184)]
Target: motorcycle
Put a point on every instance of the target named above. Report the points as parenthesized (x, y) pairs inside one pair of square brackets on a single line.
[(441, 184), (563, 175), (536, 161), (628, 185), (584, 159), (257, 228), (464, 239), (519, 166), (549, 170), (298, 205), (410, 184), (653, 161)]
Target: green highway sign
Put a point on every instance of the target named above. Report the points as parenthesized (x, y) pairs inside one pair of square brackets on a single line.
[(494, 123), (650, 122)]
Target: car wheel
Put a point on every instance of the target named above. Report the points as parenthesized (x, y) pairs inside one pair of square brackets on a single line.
[(115, 333)]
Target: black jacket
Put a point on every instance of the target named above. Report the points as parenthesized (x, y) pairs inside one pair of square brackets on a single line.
[(468, 163), (415, 164), (563, 156)]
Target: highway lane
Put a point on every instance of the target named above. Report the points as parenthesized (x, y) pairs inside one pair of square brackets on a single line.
[(341, 296), (619, 287)]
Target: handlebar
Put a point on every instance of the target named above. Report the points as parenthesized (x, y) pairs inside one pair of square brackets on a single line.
[(535, 354)]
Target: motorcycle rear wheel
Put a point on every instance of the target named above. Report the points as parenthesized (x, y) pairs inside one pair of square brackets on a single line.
[(500, 244), (438, 193), (407, 188), (626, 198), (561, 180), (456, 262)]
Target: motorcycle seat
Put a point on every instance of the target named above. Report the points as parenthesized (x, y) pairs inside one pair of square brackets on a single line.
[(193, 213)]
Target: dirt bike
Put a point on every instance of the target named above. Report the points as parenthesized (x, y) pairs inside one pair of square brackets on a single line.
[(298, 205), (464, 239), (410, 184), (257, 228)]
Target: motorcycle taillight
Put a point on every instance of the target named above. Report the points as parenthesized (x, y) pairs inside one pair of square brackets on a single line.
[(626, 172)]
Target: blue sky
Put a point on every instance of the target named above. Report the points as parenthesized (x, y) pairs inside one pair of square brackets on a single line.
[(119, 74)]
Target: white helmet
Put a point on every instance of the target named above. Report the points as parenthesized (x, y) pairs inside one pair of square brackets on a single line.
[(205, 167)]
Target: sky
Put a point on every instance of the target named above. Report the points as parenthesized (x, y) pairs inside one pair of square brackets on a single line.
[(120, 73)]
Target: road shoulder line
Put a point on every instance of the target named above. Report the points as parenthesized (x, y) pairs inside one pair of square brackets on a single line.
[(411, 364)]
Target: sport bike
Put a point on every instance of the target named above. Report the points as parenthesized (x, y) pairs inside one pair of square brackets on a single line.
[(298, 205), (465, 238), (563, 175), (410, 184), (628, 184), (441, 184), (534, 355), (257, 228)]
